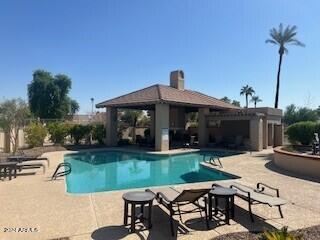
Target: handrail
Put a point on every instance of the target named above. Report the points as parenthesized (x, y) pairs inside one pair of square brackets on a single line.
[(66, 171), (213, 161)]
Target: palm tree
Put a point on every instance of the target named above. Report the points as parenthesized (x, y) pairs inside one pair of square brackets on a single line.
[(247, 91), (255, 100), (282, 37), (132, 117)]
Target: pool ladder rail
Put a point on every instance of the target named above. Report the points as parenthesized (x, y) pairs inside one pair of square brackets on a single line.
[(66, 171), (215, 161)]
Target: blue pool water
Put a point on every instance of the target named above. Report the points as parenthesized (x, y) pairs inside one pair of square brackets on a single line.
[(114, 170)]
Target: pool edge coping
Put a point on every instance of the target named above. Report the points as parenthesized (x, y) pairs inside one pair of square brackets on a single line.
[(234, 177)]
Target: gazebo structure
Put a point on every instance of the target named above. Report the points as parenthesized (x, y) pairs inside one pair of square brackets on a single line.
[(168, 106)]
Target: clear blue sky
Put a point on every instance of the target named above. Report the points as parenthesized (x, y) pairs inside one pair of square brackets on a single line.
[(109, 48)]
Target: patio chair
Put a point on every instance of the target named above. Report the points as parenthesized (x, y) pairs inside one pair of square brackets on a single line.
[(173, 200), (27, 165), (256, 195), (24, 158)]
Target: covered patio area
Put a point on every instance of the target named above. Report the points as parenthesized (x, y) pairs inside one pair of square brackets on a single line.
[(219, 123), (168, 107), (255, 128)]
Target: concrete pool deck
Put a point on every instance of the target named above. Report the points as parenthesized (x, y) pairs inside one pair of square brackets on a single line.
[(32, 201)]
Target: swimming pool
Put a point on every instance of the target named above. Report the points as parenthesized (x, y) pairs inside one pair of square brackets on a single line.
[(115, 170)]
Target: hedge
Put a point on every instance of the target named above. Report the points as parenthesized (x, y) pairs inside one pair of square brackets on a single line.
[(99, 133), (79, 132), (303, 132), (58, 132), (35, 134)]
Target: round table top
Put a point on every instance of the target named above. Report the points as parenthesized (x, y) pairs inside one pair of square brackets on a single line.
[(138, 196), (222, 191)]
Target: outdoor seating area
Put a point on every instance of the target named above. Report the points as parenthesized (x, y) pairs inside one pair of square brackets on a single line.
[(205, 201), (159, 120), (187, 211), (15, 164)]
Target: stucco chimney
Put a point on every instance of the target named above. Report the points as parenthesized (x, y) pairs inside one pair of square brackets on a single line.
[(177, 79)]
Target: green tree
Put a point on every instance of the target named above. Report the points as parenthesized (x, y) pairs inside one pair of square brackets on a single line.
[(74, 107), (318, 111), (226, 99), (13, 114), (255, 100), (283, 37), (293, 114), (131, 117), (236, 103), (290, 115), (247, 91), (48, 95)]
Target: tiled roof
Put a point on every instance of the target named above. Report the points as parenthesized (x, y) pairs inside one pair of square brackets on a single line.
[(166, 94)]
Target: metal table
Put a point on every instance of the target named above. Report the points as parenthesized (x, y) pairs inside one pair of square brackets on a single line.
[(137, 198), (226, 194), (8, 168)]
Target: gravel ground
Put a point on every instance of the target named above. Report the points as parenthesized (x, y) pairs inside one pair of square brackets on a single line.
[(38, 151), (312, 233)]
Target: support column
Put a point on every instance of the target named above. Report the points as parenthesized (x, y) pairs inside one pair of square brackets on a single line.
[(265, 133), (278, 135), (270, 134), (256, 131), (111, 127), (203, 135), (152, 124), (162, 127)]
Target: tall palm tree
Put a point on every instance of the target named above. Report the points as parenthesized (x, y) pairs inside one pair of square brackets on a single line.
[(282, 37), (255, 100), (247, 91)]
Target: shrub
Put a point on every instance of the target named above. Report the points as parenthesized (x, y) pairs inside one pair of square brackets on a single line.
[(302, 132), (123, 142), (147, 132), (99, 133), (58, 132), (35, 134), (79, 132), (281, 234)]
